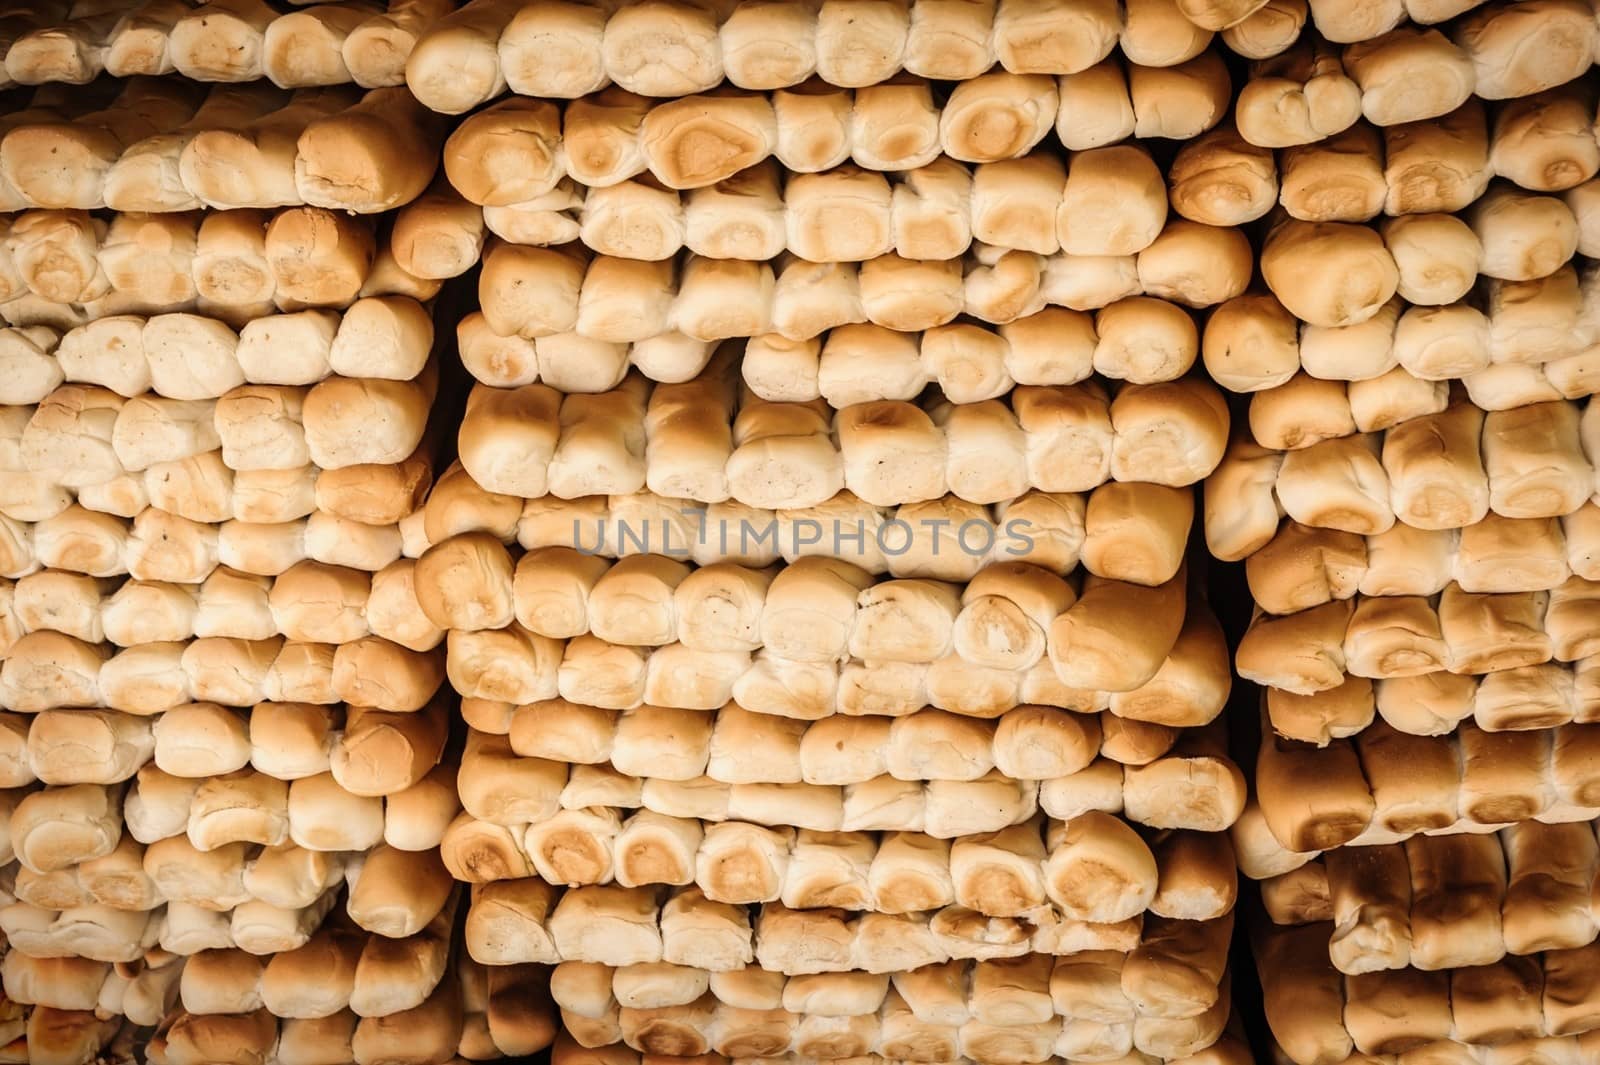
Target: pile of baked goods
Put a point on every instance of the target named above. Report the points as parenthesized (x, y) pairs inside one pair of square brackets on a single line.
[(649, 529)]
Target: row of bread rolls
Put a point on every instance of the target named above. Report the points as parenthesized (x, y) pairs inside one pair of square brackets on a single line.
[(527, 920), (141, 990), (83, 436), (1037, 202), (1306, 410), (1136, 338), (165, 144), (1172, 675), (705, 1025), (1383, 786), (310, 602), (1088, 657), (817, 610), (1443, 471), (936, 210), (1107, 986), (159, 545), (49, 671), (541, 176), (386, 279), (1395, 636), (227, 878), (1092, 867), (538, 172), (1447, 902), (207, 826), (696, 141), (429, 1034), (1302, 567), (135, 877), (1562, 1049), (1195, 787), (472, 56), (469, 1012), (64, 1037), (1027, 743), (1012, 619), (944, 540), (288, 741), (1319, 1015), (702, 440), (341, 970), (1230, 1048), (1525, 697), (224, 41), (1125, 531), (910, 325), (121, 936), (189, 357), (609, 303), (1510, 344), (237, 265), (1413, 75), (87, 527), (184, 500)]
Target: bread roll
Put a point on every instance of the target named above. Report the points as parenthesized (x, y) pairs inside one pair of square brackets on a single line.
[(1536, 142), (969, 130), (454, 66), (1268, 31), (654, 848), (1339, 179), (1099, 176), (1464, 877), (1517, 491), (677, 138), (1220, 179), (376, 49), (1438, 165), (1502, 44), (358, 160), (1097, 869), (306, 47), (1182, 101), (1159, 34), (1437, 75), (1176, 418), (1296, 251)]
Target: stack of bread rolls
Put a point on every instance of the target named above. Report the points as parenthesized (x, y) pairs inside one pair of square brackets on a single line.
[(829, 442), (226, 754), (1411, 493), (218, 41), (667, 529)]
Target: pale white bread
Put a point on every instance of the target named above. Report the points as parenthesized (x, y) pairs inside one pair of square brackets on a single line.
[(323, 816), (1503, 44), (253, 165), (89, 747), (1439, 165), (364, 159), (1161, 34), (306, 47), (1535, 143), (1523, 236)]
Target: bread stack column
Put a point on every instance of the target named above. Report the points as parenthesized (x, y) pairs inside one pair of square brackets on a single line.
[(828, 436), (1411, 497), (227, 721)]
